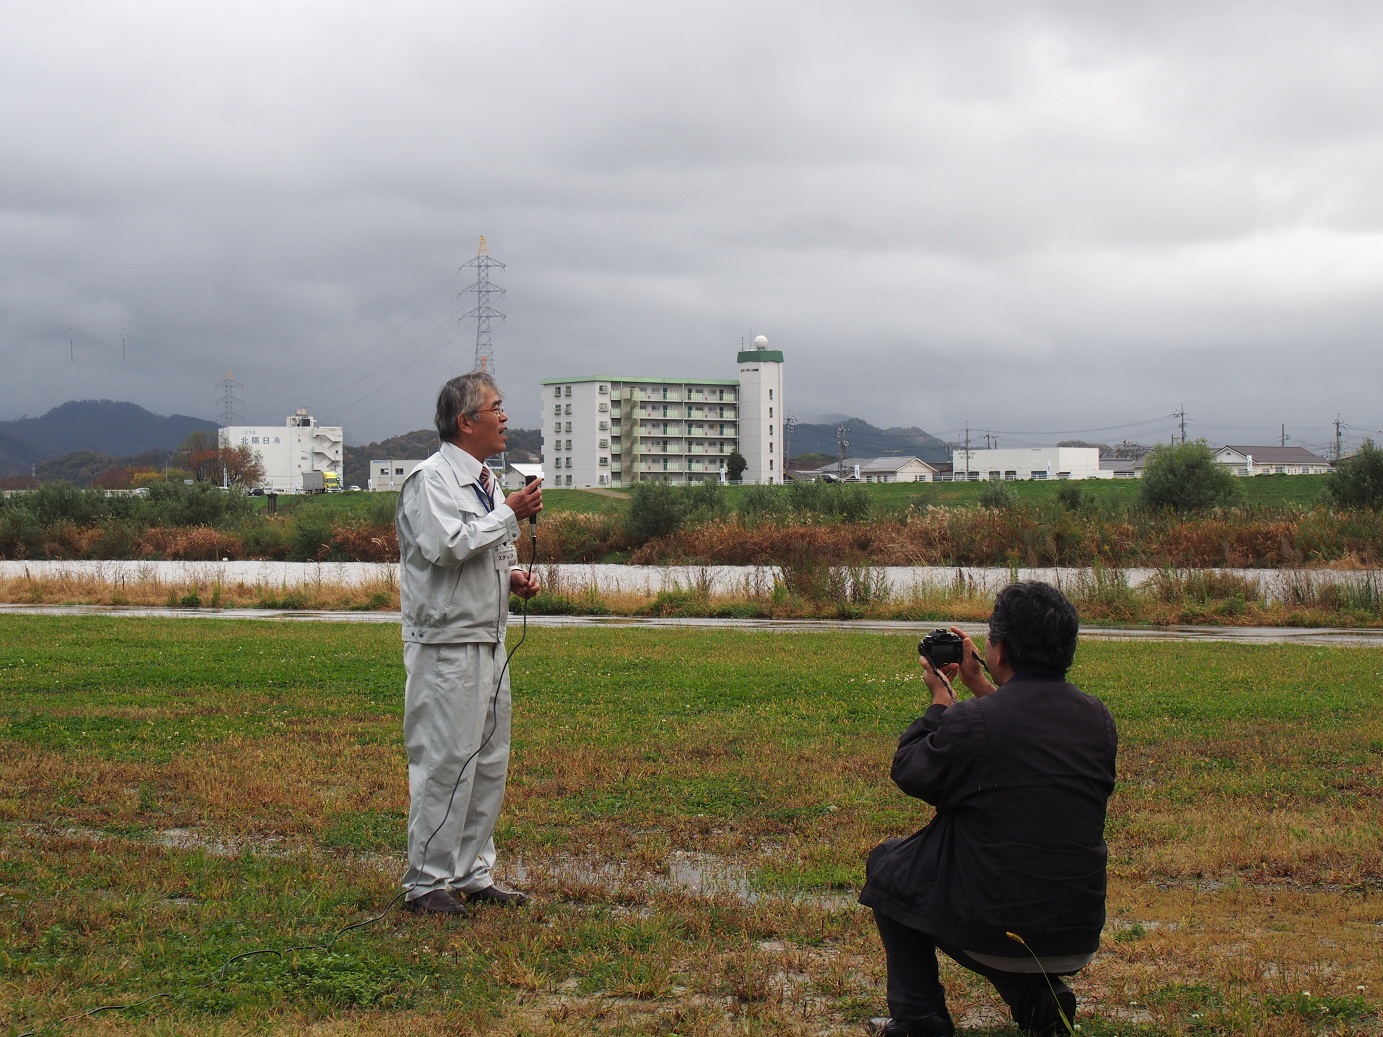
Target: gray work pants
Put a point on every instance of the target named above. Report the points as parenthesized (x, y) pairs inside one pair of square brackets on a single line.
[(456, 727)]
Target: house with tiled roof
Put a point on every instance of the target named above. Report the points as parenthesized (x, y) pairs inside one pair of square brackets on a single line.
[(1271, 460), (873, 469)]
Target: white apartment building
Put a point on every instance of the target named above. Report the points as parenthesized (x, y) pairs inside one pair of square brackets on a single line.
[(615, 431), (289, 450), (1039, 462)]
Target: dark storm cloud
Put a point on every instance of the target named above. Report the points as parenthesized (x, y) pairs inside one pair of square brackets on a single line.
[(1036, 217)]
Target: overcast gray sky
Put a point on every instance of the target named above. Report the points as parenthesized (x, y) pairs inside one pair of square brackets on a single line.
[(1035, 218)]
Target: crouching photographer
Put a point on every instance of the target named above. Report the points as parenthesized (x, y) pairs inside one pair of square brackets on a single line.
[(1008, 878)]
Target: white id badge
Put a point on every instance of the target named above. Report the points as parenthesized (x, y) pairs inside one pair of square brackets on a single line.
[(506, 558)]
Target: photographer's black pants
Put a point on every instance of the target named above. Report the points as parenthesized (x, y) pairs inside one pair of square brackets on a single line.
[(914, 977)]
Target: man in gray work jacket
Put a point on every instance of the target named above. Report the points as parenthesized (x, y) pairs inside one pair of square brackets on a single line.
[(458, 567), (1008, 878)]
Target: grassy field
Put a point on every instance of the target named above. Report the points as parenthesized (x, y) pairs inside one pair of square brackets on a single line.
[(1268, 490), (691, 811)]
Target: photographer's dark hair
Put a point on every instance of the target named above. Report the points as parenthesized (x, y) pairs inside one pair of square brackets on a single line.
[(463, 395), (1036, 625)]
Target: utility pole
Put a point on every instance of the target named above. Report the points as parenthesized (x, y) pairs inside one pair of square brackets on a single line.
[(789, 425), (967, 452), (484, 313), (1337, 439), (1284, 434), (841, 444), (228, 417), (1181, 415)]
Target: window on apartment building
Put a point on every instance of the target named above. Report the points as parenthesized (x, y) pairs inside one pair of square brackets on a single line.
[(1010, 475), (569, 480), (995, 476), (604, 462), (397, 471), (604, 444), (770, 464), (568, 409), (770, 412), (770, 430), (569, 444), (556, 390), (566, 390), (604, 426), (602, 389), (568, 428), (665, 392), (770, 394), (557, 408), (604, 407)]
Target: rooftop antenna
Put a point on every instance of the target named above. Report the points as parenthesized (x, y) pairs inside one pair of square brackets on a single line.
[(484, 313)]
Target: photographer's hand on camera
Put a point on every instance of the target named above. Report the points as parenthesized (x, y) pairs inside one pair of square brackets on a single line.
[(972, 673), (942, 695)]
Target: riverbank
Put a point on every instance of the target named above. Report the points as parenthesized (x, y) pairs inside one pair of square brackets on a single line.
[(1346, 598)]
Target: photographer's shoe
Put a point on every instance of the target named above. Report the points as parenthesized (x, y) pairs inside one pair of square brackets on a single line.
[(927, 1026), (1047, 1011), (436, 902)]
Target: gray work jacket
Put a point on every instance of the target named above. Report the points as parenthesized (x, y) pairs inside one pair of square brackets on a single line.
[(454, 553)]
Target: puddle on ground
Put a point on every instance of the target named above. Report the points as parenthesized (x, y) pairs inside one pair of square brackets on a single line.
[(699, 874)]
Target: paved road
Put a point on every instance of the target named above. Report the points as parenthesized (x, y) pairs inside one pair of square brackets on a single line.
[(1240, 635)]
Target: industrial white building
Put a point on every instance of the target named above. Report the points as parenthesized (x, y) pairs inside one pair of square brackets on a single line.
[(389, 474), (290, 450), (1039, 462), (615, 431)]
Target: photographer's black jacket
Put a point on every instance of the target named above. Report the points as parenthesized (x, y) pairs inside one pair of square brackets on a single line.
[(1020, 779)]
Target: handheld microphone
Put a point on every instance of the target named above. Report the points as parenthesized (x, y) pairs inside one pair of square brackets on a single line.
[(532, 519)]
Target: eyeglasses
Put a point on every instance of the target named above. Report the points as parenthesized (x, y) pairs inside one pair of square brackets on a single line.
[(498, 408)]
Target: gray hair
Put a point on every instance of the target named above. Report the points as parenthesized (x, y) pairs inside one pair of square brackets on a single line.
[(461, 397)]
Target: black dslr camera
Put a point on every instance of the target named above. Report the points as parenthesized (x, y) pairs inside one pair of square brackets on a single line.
[(941, 648)]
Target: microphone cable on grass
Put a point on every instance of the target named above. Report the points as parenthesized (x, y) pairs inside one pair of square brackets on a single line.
[(220, 974)]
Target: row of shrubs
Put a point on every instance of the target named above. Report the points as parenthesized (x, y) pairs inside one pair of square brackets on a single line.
[(783, 525), (175, 521)]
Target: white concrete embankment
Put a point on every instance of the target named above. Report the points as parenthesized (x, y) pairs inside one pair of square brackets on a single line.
[(900, 581)]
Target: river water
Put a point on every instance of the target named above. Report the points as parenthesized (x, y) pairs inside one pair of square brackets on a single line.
[(650, 580)]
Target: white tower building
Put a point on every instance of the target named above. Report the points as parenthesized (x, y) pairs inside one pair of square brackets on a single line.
[(761, 413)]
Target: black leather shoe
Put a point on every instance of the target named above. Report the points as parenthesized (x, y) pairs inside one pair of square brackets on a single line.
[(436, 902), (1043, 1014), (496, 895), (927, 1026)]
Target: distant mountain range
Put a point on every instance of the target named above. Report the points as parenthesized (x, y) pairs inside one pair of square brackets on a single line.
[(91, 426), (120, 431), (866, 440)]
